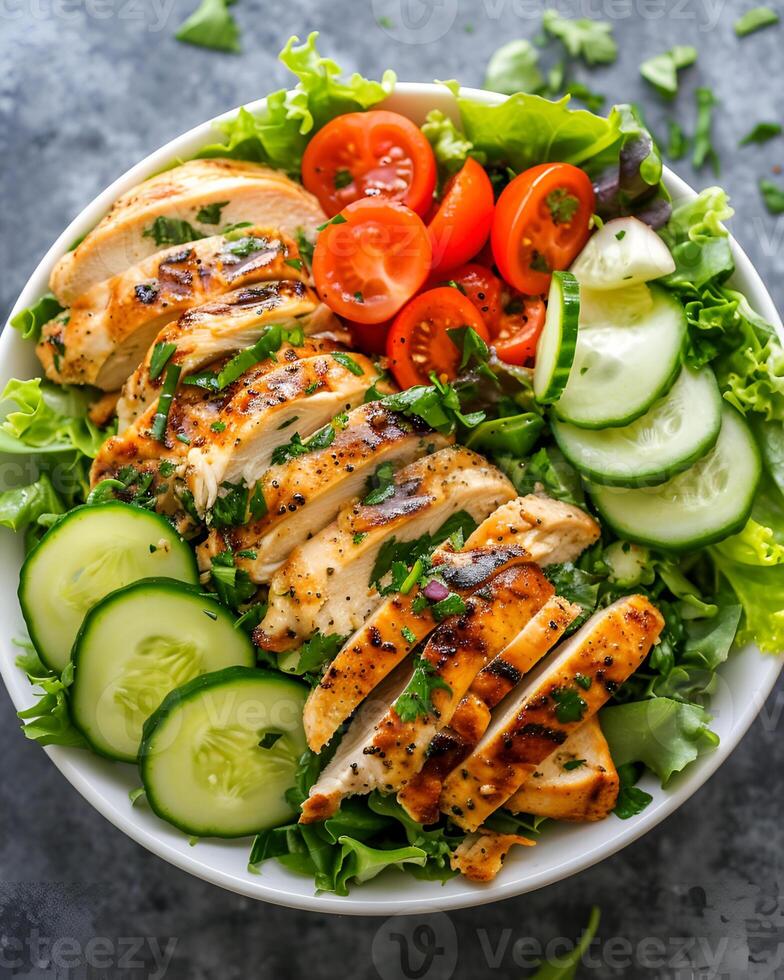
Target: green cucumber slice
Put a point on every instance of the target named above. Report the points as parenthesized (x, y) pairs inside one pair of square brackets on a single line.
[(704, 504), (92, 551), (623, 252), (138, 644), (625, 360), (673, 434), (219, 754), (557, 341)]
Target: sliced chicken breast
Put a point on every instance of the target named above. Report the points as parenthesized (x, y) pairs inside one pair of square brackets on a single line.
[(469, 719), (526, 524), (279, 408), (305, 494), (197, 415), (206, 194), (232, 323), (107, 331), (549, 529), (566, 690), (577, 782), (328, 583), (479, 857), (393, 750)]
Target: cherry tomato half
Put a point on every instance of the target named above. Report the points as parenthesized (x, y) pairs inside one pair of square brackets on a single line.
[(479, 284), (375, 154), (370, 338), (542, 220), (461, 225), (370, 260), (518, 327), (418, 342)]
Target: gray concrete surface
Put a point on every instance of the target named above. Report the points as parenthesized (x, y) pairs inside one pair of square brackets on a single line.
[(86, 89)]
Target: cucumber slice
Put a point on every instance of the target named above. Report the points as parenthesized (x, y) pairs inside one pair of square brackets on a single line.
[(705, 504), (557, 341), (92, 551), (219, 754), (623, 363), (624, 252), (672, 435), (138, 644)]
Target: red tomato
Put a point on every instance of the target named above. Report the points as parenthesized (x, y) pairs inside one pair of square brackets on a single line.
[(376, 154), (479, 284), (517, 329), (370, 338), (541, 222), (418, 342), (460, 226), (370, 260)]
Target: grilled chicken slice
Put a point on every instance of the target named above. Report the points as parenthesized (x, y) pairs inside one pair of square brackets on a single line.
[(327, 584), (304, 494), (262, 414), (578, 782), (547, 528), (527, 524), (197, 419), (567, 689), (108, 329), (471, 717), (393, 750), (480, 856), (207, 194), (231, 323)]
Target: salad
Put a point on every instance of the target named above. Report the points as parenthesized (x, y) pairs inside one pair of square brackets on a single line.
[(400, 490)]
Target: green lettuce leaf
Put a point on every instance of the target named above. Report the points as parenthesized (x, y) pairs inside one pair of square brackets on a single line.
[(278, 134), (698, 241), (211, 26), (48, 721), (514, 68), (664, 734), (565, 967), (30, 320), (48, 418), (25, 505)]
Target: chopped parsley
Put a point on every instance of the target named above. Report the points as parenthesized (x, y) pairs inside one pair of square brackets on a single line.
[(246, 246), (294, 263), (161, 417), (573, 764), (322, 439), (342, 178), (562, 206), (583, 681), (339, 219), (258, 505), (703, 147), (210, 214), (348, 362), (539, 263), (452, 605), (677, 142), (438, 405), (359, 297), (318, 651), (591, 40), (161, 354), (218, 426), (754, 20), (631, 799), (408, 635), (569, 706), (171, 231), (359, 537), (417, 699), (230, 509), (265, 348), (233, 585), (248, 553), (662, 70), (382, 484), (761, 133), (773, 196), (313, 386)]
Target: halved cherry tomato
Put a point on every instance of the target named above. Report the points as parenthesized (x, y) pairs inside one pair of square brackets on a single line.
[(375, 154), (479, 284), (461, 225), (418, 342), (518, 327), (370, 260), (542, 220), (370, 338)]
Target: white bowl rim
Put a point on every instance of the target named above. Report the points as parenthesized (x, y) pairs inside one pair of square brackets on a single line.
[(407, 895)]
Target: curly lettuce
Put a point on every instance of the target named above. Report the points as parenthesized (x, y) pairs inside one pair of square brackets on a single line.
[(278, 133)]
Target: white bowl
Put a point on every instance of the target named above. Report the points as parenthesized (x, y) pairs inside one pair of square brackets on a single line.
[(745, 681)]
